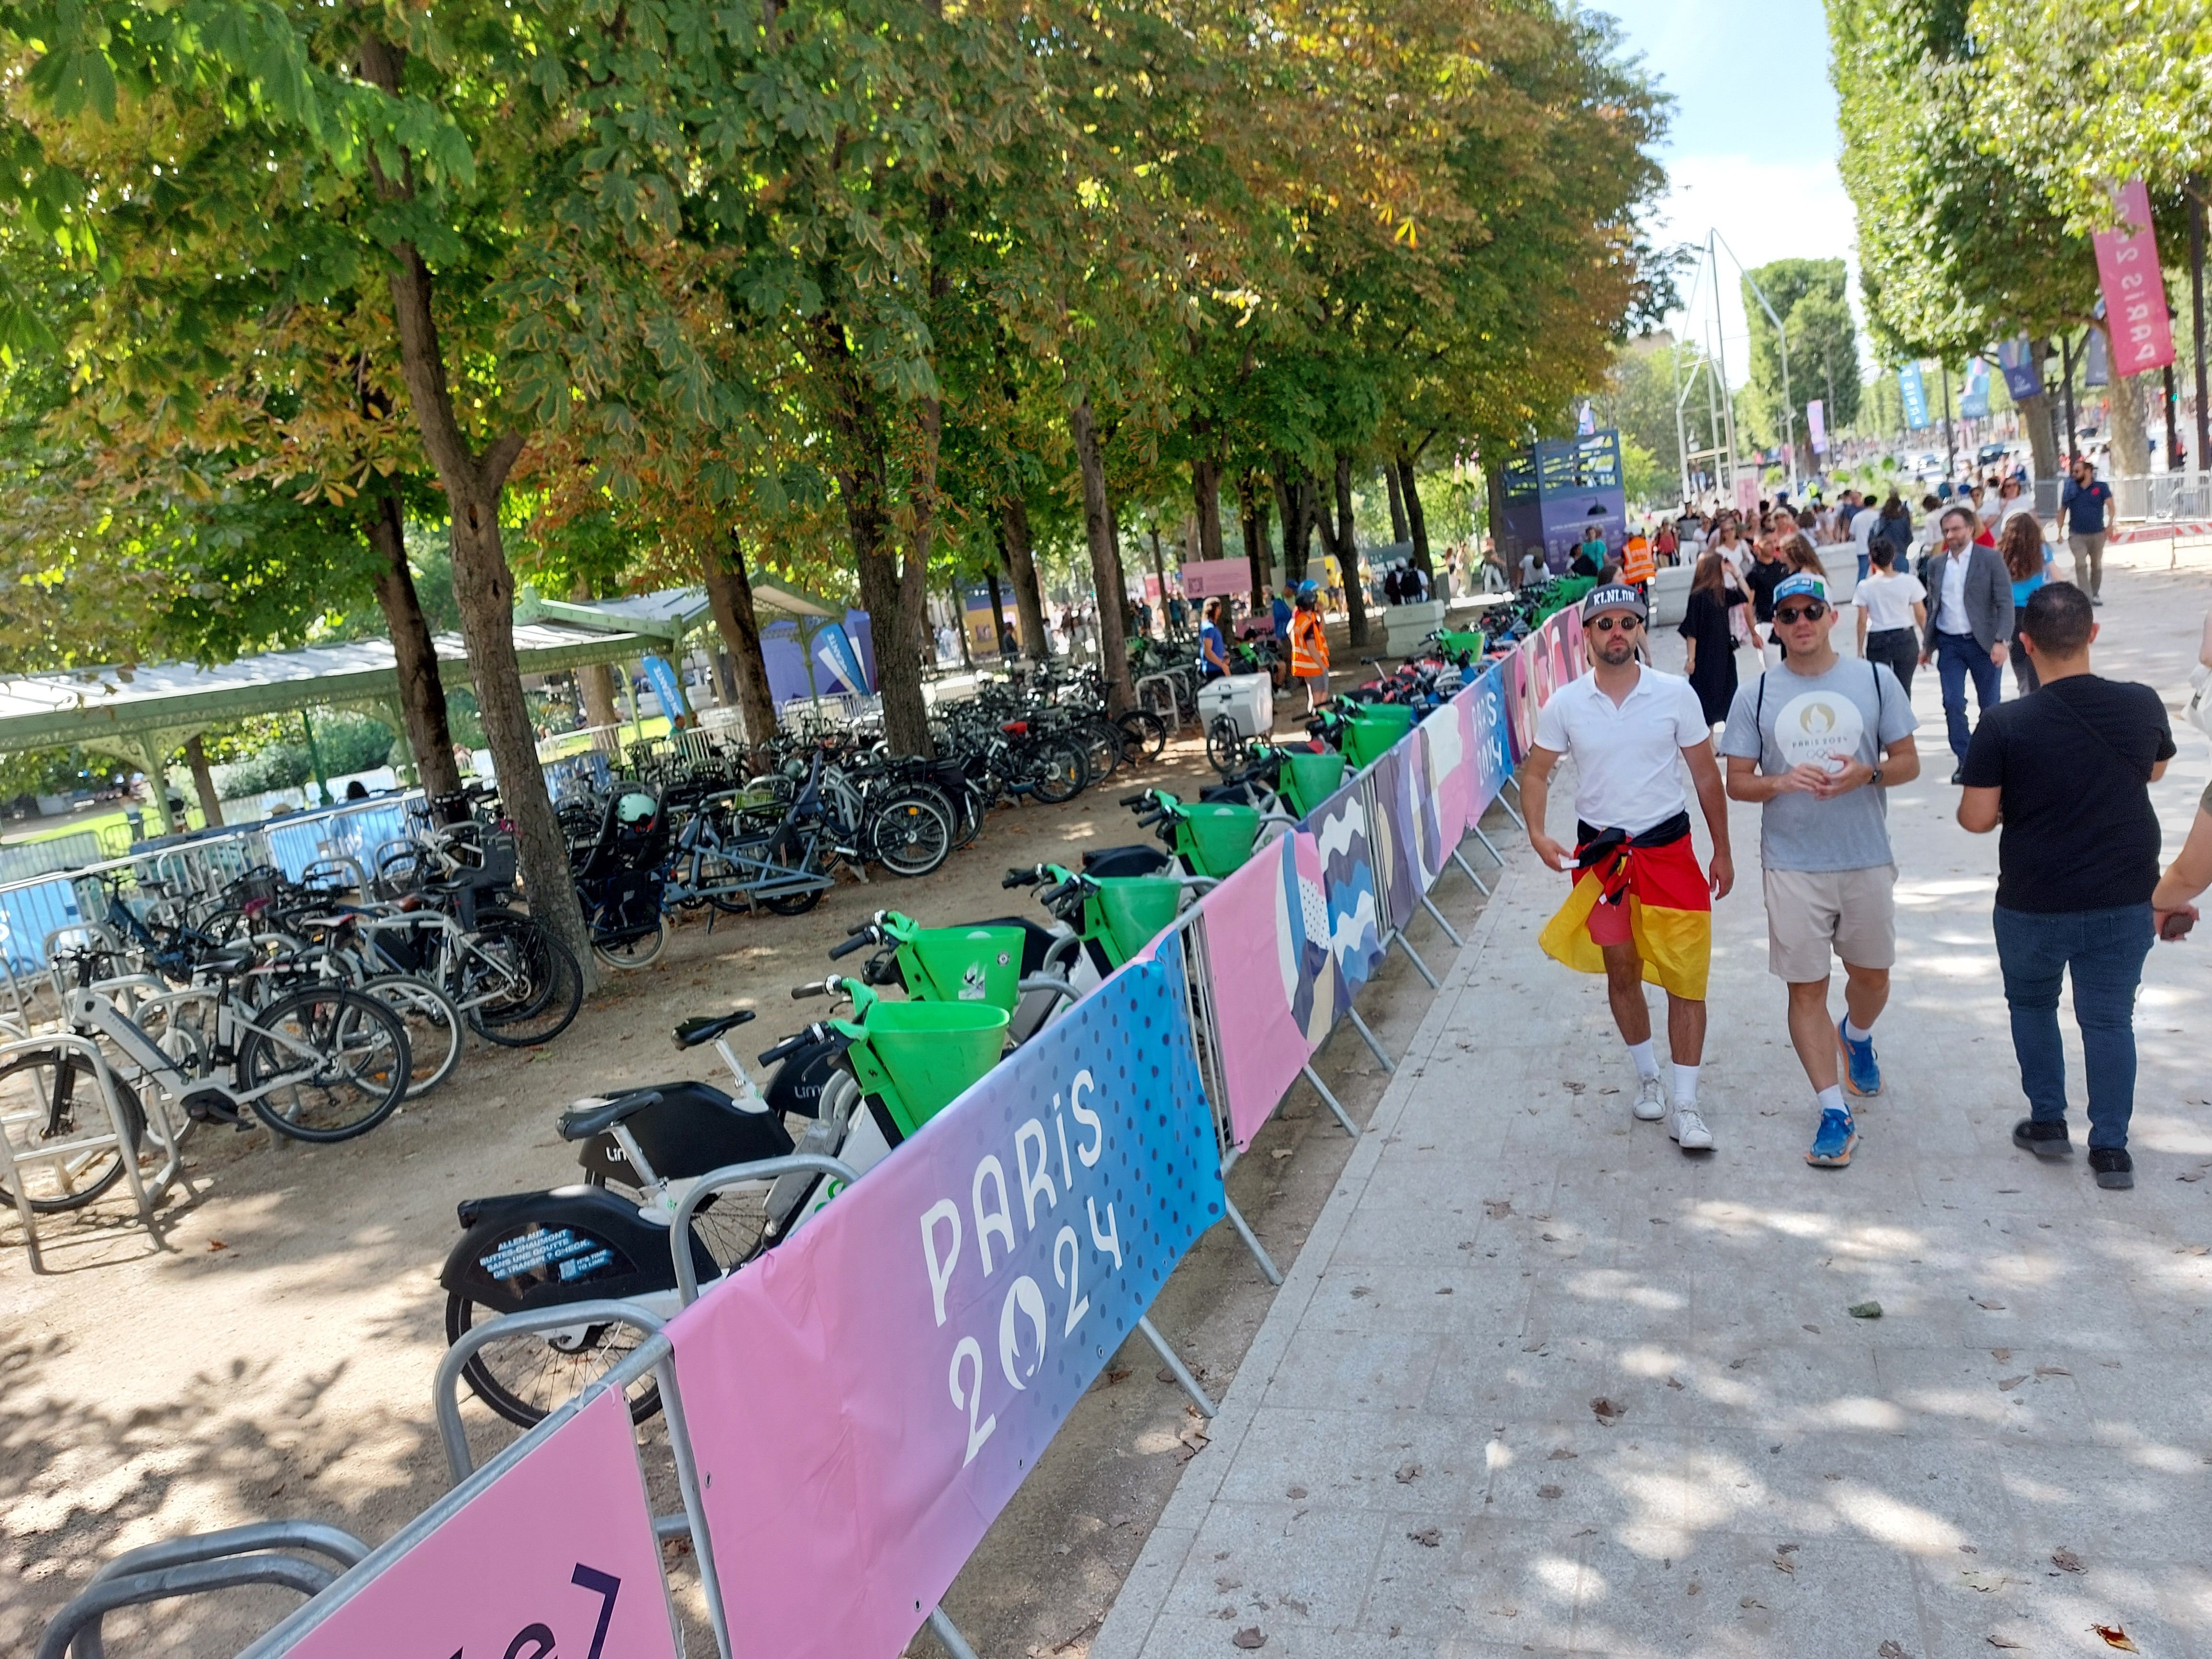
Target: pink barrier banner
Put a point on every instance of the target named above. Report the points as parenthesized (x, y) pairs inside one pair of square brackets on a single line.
[(1275, 987), (1447, 758), (1208, 578), (865, 1399), (2135, 288), (557, 1556)]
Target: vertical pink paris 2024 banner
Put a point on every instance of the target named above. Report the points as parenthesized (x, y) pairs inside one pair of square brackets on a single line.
[(2136, 316), (865, 1399), (557, 1556)]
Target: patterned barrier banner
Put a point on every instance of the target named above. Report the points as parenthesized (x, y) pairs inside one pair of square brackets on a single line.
[(1276, 990), (555, 1556), (1490, 739), (1393, 831), (865, 1400), (1339, 831), (1447, 764)]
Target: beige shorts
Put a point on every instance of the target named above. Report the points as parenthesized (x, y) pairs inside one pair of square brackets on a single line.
[(1808, 911)]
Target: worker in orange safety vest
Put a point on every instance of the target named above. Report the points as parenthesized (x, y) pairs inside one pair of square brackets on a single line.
[(1309, 646)]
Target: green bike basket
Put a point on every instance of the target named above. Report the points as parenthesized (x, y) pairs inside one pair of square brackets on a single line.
[(1366, 739), (919, 1057), (1462, 644), (965, 964), (1217, 836), (1309, 778), (1134, 909)]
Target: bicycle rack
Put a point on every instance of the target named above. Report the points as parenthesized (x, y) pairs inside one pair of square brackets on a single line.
[(1163, 681), (117, 1135), (737, 1174), (193, 1566)]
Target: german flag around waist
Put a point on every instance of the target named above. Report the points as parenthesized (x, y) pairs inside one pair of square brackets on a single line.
[(1670, 911)]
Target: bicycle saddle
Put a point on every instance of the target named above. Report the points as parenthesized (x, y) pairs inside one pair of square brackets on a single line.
[(581, 1122), (693, 1032), (230, 959)]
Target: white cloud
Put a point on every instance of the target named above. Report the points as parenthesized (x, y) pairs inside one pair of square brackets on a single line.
[(1763, 211)]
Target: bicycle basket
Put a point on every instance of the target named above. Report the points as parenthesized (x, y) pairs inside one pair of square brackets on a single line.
[(1217, 836), (1134, 909), (966, 965), (919, 1057), (1312, 778)]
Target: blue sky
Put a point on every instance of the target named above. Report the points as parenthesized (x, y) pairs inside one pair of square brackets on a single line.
[(1753, 147)]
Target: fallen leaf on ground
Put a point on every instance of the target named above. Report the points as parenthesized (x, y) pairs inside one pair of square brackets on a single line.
[(1994, 1307), (1561, 1456), (2197, 1175), (1865, 1310), (2000, 1354), (1997, 1641), (1359, 1291), (1815, 1329), (1751, 1601), (1674, 1383), (2006, 1385), (1113, 1377), (1984, 1581), (1295, 1492), (1891, 1650), (2053, 1370), (1428, 1538), (1551, 1238), (2066, 1561), (1608, 1412), (1498, 1208), (2116, 1638), (1281, 1152), (218, 1244), (1249, 1636), (1783, 1563), (1550, 1491), (1407, 1474)]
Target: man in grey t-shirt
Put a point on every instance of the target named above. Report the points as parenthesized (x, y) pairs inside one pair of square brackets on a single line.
[(1815, 742)]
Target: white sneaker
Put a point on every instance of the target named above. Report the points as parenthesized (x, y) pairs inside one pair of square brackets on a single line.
[(1689, 1130), (1651, 1100)]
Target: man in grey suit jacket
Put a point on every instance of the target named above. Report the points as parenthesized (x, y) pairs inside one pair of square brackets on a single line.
[(1969, 624)]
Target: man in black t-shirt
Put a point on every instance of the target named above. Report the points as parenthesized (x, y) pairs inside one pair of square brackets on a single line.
[(2068, 772)]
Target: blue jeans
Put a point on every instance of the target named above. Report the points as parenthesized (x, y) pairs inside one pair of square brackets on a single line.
[(1956, 657), (2105, 950), (1866, 564)]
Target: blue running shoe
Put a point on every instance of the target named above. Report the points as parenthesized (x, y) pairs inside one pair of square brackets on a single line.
[(1833, 1141), (1862, 1070)]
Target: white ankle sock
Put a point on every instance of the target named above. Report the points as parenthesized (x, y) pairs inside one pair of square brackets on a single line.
[(1830, 1099), (1852, 1033), (1685, 1085), (1647, 1062)]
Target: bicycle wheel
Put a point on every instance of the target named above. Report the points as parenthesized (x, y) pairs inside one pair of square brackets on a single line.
[(1101, 747), (911, 835), (1143, 735), (432, 1023), (1224, 745), (537, 989), (820, 858), (1062, 772), (326, 1064), (641, 951), (50, 1094), (524, 1378)]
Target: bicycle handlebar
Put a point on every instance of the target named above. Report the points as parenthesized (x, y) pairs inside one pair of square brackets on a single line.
[(1137, 799), (789, 1046), (1022, 879), (820, 988), (861, 939)]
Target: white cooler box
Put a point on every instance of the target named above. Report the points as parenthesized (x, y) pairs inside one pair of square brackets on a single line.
[(1249, 699)]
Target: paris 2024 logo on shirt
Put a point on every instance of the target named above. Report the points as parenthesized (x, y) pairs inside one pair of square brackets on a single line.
[(1815, 727)]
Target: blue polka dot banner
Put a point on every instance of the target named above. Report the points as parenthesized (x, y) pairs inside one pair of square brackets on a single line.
[(864, 1400)]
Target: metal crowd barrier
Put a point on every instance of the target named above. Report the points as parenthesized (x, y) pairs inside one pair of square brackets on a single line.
[(242, 1555)]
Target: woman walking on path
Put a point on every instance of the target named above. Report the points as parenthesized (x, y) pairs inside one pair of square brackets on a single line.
[(2027, 561), (1709, 648), (1893, 609)]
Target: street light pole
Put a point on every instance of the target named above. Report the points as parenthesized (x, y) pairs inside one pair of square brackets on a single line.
[(2203, 457), (1950, 439)]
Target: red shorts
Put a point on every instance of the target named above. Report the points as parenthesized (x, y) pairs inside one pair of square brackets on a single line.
[(1609, 924)]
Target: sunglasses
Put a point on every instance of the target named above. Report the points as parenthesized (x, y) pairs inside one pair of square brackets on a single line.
[(1811, 611), (1607, 624)]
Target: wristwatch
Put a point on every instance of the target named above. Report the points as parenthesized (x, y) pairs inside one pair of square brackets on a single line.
[(1877, 779)]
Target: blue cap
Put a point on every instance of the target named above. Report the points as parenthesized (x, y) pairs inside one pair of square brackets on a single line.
[(1309, 587), (1805, 582)]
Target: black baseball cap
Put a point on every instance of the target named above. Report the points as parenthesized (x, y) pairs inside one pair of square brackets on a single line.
[(1615, 596)]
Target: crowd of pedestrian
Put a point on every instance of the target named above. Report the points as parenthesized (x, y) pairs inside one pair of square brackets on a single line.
[(1816, 739)]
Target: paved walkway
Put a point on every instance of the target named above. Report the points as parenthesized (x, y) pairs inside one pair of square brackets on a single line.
[(1540, 1383)]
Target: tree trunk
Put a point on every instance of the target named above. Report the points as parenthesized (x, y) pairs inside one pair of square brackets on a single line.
[(1021, 565), (1252, 521), (729, 597), (1348, 551), (422, 693), (1206, 498), (203, 781), (861, 472), (1294, 494), (2131, 456), (595, 682), (1416, 521), (1105, 558), (1501, 533), (998, 613), (483, 586), (2035, 421), (1398, 531)]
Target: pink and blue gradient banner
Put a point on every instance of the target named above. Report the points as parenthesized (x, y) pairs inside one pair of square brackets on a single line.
[(865, 1400)]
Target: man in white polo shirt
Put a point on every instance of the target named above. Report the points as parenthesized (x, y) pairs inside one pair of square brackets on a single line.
[(1640, 908)]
